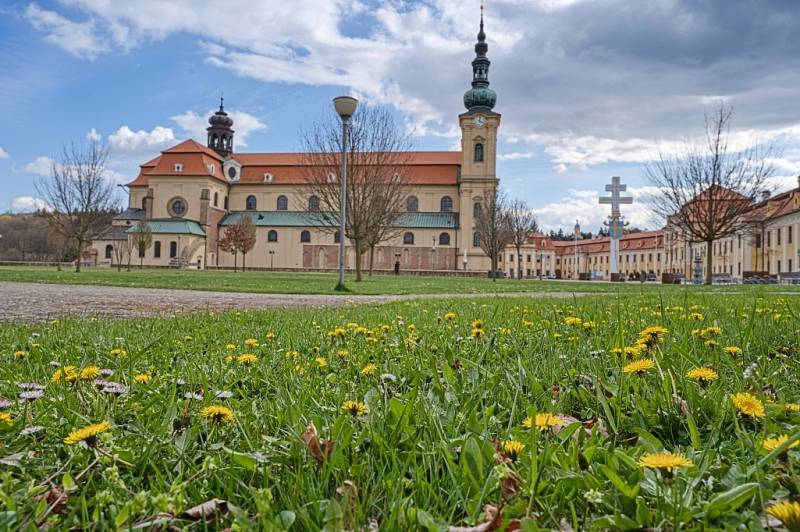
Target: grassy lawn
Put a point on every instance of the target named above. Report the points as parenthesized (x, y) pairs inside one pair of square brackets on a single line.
[(419, 416), (319, 283)]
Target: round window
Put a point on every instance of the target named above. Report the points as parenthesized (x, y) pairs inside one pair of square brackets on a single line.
[(232, 172), (177, 207)]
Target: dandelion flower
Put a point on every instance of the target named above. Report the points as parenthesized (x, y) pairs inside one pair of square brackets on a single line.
[(369, 369), (355, 408), (572, 320), (20, 354), (652, 335), (341, 353), (733, 350), (247, 359), (187, 338), (321, 362), (664, 460), (67, 373), (143, 378), (251, 342), (217, 413), (5, 418), (787, 512), (639, 366), (477, 333), (703, 375), (477, 324), (117, 352), (748, 404), (793, 407), (230, 347), (512, 448), (770, 444), (87, 434), (89, 373), (450, 316), (543, 421)]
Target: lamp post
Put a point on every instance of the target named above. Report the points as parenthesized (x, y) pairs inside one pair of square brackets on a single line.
[(577, 230), (345, 107), (271, 257)]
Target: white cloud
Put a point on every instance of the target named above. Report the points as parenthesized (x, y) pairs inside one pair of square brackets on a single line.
[(195, 125), (42, 165), (94, 136), (127, 142), (515, 155), (4, 154), (77, 38), (27, 204)]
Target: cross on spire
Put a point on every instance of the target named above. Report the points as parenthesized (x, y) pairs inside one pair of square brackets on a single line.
[(616, 200)]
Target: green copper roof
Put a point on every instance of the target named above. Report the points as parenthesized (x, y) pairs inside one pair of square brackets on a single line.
[(174, 227), (423, 220)]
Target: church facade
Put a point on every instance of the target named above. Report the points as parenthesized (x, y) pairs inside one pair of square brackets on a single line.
[(191, 192)]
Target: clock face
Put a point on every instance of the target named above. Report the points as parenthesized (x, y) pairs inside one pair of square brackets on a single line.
[(480, 121)]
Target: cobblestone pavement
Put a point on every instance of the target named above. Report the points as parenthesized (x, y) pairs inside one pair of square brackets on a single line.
[(38, 302)]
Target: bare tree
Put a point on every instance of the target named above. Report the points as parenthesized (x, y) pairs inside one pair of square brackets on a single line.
[(142, 236), (522, 224), (228, 242), (246, 237), (78, 194), (706, 189), (492, 224), (377, 165), (122, 252)]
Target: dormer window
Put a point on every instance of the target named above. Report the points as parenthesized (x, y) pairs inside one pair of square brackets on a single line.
[(211, 169), (396, 177), (233, 173), (331, 178), (178, 167), (267, 178)]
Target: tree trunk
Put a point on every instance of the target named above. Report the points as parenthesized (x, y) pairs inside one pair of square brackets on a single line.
[(141, 261), (359, 252), (709, 260), (494, 268), (78, 260), (371, 258), (235, 264), (244, 262), (519, 263)]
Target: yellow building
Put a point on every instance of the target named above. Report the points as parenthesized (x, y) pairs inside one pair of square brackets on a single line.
[(189, 193)]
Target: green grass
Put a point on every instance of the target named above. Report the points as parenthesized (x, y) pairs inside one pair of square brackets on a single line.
[(318, 283), (425, 454)]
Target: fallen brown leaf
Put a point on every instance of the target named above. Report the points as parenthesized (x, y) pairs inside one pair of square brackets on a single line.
[(56, 500), (206, 511), (493, 521), (321, 450)]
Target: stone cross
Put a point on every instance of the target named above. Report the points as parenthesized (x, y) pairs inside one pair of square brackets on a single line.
[(616, 200), (615, 222)]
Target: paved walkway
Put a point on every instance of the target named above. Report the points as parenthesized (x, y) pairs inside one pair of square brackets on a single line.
[(38, 302)]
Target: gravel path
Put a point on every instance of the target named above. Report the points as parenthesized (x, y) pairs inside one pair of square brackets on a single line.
[(39, 302)]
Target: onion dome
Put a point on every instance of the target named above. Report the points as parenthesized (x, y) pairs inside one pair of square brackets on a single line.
[(480, 97)]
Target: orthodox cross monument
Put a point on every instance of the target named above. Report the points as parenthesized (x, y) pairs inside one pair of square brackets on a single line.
[(616, 221)]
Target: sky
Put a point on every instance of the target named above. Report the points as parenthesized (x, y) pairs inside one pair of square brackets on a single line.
[(587, 89)]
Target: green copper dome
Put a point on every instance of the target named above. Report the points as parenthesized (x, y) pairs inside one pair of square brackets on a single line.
[(480, 97)]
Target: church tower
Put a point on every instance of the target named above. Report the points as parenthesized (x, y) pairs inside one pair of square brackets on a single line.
[(220, 133), (478, 152)]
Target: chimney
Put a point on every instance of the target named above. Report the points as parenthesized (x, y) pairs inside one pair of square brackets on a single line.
[(148, 205), (764, 195)]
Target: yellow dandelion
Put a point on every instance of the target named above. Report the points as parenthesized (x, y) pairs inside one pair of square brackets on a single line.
[(696, 316), (793, 407), (67, 373), (6, 418), (748, 405), (664, 460), (321, 362), (89, 373), (251, 342), (230, 347), (543, 421), (788, 513), (733, 350), (703, 375), (229, 359), (633, 350), (217, 413), (143, 378), (572, 320), (270, 336), (652, 335), (20, 354), (355, 408), (770, 444), (639, 366), (87, 434), (711, 343), (477, 333), (341, 353), (477, 324), (589, 325), (369, 369), (187, 338), (247, 359), (512, 448), (337, 333), (450, 316), (118, 352)]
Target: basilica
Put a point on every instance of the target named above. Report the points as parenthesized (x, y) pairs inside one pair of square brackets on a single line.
[(191, 192)]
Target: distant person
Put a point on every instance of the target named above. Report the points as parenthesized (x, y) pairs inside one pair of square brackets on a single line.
[(397, 267)]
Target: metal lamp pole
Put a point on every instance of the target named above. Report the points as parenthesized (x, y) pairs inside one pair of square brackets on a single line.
[(345, 107)]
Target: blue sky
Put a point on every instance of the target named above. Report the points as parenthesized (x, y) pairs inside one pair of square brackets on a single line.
[(587, 88)]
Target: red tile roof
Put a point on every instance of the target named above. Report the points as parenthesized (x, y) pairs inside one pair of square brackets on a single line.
[(630, 242)]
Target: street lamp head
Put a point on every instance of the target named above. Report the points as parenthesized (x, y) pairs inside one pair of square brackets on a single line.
[(345, 106)]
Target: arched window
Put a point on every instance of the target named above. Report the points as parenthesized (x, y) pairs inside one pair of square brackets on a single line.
[(283, 203), (476, 239), (446, 204), (444, 239), (305, 236), (476, 209), (412, 204), (216, 199), (226, 203), (250, 203), (313, 204), (408, 239), (478, 152), (272, 236), (109, 251), (336, 238)]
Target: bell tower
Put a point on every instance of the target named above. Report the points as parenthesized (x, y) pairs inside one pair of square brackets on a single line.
[(479, 124), (220, 132)]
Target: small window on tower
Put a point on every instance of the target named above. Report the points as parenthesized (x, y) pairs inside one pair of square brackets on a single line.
[(178, 167), (478, 152), (211, 169)]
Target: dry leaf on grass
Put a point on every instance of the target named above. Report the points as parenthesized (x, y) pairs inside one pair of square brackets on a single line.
[(493, 521), (206, 511), (321, 450)]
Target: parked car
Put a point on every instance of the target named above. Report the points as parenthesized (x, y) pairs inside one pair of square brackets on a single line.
[(498, 274), (651, 277), (722, 278)]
